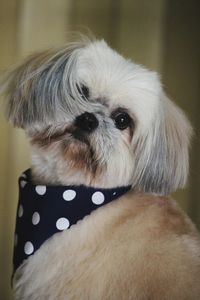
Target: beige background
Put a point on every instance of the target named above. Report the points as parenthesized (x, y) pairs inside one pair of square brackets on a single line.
[(162, 34)]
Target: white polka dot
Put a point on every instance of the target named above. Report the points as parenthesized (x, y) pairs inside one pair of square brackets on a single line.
[(20, 211), (69, 195), (41, 189), (23, 183), (114, 193), (35, 218), (62, 223), (15, 240), (98, 198), (28, 248), (23, 175)]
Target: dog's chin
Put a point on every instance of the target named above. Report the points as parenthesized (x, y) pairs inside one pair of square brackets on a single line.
[(72, 157), (85, 164), (72, 161), (79, 153)]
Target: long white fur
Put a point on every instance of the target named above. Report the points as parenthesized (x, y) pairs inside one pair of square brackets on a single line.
[(43, 91)]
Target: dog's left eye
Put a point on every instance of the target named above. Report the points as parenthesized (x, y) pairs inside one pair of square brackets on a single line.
[(83, 91), (122, 120)]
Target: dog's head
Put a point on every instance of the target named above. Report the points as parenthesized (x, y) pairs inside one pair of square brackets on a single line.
[(98, 119)]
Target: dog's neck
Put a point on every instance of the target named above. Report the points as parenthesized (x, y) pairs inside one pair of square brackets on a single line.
[(50, 169)]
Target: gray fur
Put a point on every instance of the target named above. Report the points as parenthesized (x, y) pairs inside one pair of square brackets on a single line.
[(162, 154), (43, 86)]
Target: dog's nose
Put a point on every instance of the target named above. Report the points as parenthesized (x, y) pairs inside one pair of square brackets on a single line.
[(87, 122)]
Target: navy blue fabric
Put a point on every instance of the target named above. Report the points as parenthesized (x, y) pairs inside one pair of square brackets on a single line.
[(46, 210)]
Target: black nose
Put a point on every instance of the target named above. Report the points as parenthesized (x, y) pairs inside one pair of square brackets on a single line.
[(87, 122)]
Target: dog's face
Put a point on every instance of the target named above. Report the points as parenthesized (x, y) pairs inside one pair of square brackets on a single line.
[(95, 118)]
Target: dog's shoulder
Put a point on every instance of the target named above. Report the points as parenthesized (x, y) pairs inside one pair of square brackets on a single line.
[(158, 214)]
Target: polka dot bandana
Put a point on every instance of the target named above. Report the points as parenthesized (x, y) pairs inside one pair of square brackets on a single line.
[(45, 210)]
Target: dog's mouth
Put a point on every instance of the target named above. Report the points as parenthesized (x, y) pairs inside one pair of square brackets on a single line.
[(46, 137), (78, 150), (80, 136)]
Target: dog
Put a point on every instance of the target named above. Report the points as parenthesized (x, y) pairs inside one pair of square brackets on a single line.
[(102, 130)]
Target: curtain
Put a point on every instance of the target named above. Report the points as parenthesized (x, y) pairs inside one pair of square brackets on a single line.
[(159, 34)]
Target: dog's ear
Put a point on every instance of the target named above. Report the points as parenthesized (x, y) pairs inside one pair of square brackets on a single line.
[(162, 153), (38, 87), (21, 88)]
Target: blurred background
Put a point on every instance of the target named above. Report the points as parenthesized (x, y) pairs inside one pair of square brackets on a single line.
[(164, 35)]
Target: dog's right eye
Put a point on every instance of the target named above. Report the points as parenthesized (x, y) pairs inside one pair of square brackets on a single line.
[(83, 91), (122, 120)]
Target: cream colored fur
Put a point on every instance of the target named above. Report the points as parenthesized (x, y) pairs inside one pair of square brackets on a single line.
[(140, 247)]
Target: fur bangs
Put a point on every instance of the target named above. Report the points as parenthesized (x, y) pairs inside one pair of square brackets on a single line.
[(43, 86)]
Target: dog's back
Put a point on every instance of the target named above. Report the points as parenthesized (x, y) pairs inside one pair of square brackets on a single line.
[(139, 247)]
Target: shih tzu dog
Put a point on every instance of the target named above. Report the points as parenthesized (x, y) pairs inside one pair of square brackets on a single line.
[(94, 218)]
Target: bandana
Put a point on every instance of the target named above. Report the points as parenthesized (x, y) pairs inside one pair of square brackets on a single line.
[(46, 210)]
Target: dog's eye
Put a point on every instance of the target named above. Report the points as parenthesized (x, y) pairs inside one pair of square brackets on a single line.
[(83, 91), (122, 120)]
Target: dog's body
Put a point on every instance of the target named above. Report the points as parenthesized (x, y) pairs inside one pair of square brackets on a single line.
[(139, 247), (96, 119)]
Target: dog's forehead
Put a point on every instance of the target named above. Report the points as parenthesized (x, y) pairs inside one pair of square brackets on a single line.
[(118, 81), (98, 61)]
